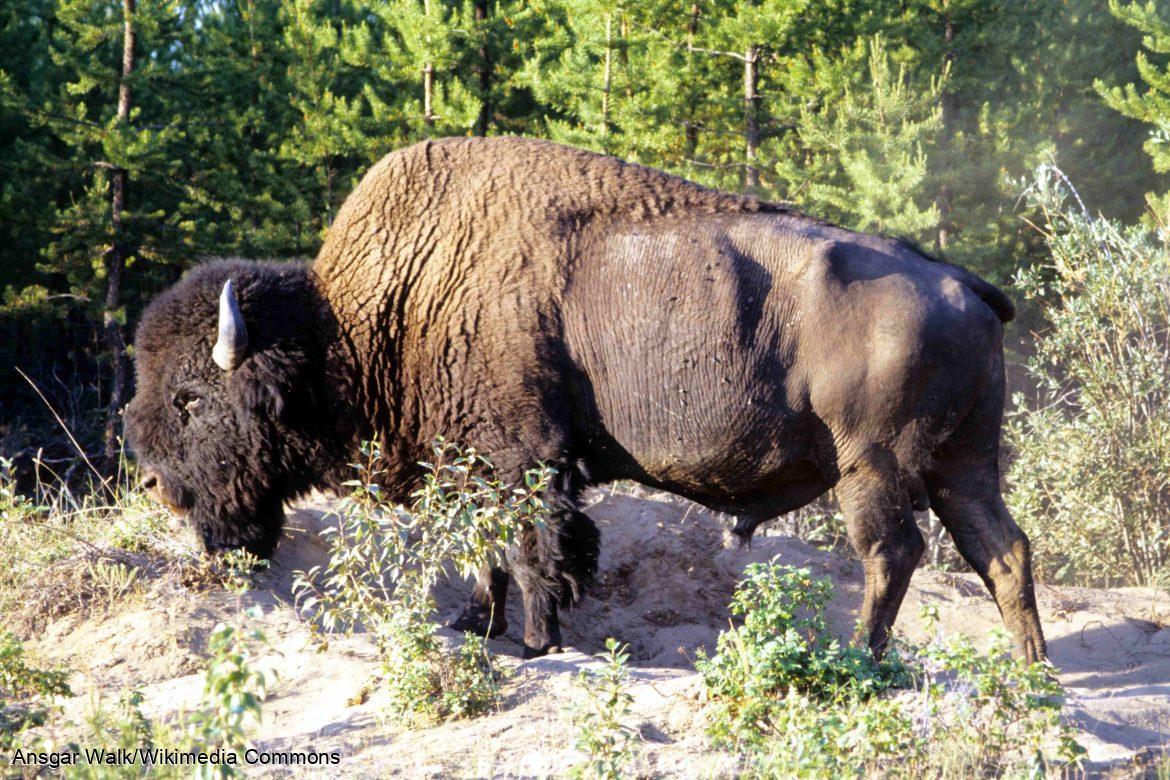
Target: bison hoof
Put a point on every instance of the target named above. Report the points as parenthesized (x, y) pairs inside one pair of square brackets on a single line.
[(480, 622), (532, 652)]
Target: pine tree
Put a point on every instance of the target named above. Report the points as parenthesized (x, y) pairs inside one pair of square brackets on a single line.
[(328, 137), (114, 130), (1153, 105), (866, 140), (421, 52), (27, 79), (241, 196)]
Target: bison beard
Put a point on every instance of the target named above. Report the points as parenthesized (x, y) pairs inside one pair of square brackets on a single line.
[(542, 303)]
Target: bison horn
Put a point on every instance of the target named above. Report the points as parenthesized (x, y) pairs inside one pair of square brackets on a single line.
[(231, 347)]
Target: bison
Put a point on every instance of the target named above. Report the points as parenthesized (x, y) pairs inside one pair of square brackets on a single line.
[(544, 303)]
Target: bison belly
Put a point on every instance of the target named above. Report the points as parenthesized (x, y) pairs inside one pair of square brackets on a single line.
[(683, 368)]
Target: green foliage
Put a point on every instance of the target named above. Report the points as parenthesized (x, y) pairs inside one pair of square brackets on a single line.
[(1091, 453), (784, 646), (123, 726), (608, 744), (990, 709), (795, 704), (233, 690), (26, 692), (871, 139), (384, 561), (1153, 105)]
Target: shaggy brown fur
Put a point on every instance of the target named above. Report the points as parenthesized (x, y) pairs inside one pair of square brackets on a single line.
[(546, 303)]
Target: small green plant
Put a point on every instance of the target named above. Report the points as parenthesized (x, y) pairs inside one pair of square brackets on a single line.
[(27, 693), (609, 745), (239, 569), (991, 710), (783, 645), (112, 581), (233, 690), (123, 726), (384, 560), (796, 703)]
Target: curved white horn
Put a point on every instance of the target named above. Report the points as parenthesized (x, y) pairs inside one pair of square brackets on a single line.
[(231, 346)]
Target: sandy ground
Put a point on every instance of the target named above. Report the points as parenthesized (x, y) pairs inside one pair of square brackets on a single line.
[(667, 571)]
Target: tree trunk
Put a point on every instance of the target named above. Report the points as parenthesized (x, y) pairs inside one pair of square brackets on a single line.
[(428, 72), (115, 258), (607, 76), (428, 95), (484, 71), (943, 200), (692, 129), (751, 121)]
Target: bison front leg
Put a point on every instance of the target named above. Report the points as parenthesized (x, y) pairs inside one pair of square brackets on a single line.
[(542, 624), (881, 526), (484, 613), (553, 565)]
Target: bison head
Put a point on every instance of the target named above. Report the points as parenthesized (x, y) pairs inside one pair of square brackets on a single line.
[(229, 414)]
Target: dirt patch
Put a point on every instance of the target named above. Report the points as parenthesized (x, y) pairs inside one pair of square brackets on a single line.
[(666, 574)]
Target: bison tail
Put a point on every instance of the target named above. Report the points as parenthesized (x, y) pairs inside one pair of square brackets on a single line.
[(993, 297)]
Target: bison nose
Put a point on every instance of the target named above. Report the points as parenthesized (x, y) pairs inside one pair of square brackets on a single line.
[(149, 481)]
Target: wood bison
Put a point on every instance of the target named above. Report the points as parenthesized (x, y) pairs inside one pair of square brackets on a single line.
[(544, 303)]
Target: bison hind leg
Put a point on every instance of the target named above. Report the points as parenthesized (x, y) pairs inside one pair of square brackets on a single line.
[(879, 518)]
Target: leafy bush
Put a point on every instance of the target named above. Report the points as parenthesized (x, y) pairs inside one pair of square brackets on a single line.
[(798, 704), (1090, 478), (384, 561), (987, 710), (608, 744), (26, 692), (783, 645), (233, 690)]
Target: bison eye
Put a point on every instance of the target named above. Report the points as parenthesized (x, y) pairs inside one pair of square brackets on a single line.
[(188, 405)]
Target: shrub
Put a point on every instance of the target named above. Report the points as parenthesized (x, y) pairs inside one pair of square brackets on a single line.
[(797, 704), (783, 646), (384, 561), (233, 690), (608, 744), (989, 711), (1090, 477), (26, 692)]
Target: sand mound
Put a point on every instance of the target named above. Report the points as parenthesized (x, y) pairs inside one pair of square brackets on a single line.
[(667, 572)]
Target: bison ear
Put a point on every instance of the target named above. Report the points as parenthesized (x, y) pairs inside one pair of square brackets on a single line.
[(263, 397)]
